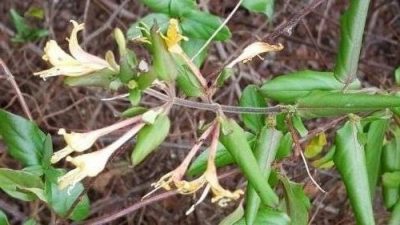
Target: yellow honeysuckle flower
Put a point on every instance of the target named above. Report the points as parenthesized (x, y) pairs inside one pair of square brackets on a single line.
[(220, 195), (76, 142), (87, 165), (79, 142), (77, 64), (174, 37), (209, 178), (255, 49), (91, 164)]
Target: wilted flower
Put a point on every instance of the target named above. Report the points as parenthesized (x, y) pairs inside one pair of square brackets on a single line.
[(209, 178), (253, 50), (91, 164), (79, 142), (77, 64)]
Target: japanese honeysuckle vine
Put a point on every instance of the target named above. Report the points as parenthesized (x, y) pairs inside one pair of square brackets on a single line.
[(81, 64), (173, 75)]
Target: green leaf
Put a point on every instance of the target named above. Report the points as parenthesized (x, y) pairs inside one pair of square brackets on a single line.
[(133, 111), (267, 216), (25, 33), (61, 200), (191, 47), (222, 158), (163, 63), (174, 8), (296, 201), (397, 76), (21, 184), (186, 80), (315, 146), (265, 151), (224, 75), (285, 146), (134, 96), (350, 162), (201, 25), (161, 19), (373, 151), (30, 221), (325, 103), (260, 6), (391, 179), (234, 139), (395, 216), (3, 218), (233, 217), (251, 97), (36, 12), (146, 79), (325, 162), (149, 138), (290, 87), (127, 70), (351, 34), (24, 140), (391, 163), (299, 126), (19, 23)]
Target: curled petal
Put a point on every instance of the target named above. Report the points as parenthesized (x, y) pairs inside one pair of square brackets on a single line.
[(221, 195), (78, 53)]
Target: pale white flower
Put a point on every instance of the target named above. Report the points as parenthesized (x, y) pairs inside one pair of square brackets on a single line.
[(91, 164), (255, 49), (77, 64), (79, 142)]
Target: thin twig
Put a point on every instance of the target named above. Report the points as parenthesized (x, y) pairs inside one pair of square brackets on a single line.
[(309, 174), (21, 98), (217, 30), (298, 151)]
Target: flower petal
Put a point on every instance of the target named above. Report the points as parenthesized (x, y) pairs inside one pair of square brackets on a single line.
[(71, 178), (253, 50), (70, 70), (80, 141), (174, 36), (56, 56), (78, 53), (57, 156)]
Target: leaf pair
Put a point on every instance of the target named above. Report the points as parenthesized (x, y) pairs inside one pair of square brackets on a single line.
[(32, 148)]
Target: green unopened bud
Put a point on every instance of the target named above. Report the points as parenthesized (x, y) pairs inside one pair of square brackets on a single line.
[(120, 39)]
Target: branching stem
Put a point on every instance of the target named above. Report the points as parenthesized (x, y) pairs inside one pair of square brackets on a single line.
[(214, 106)]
